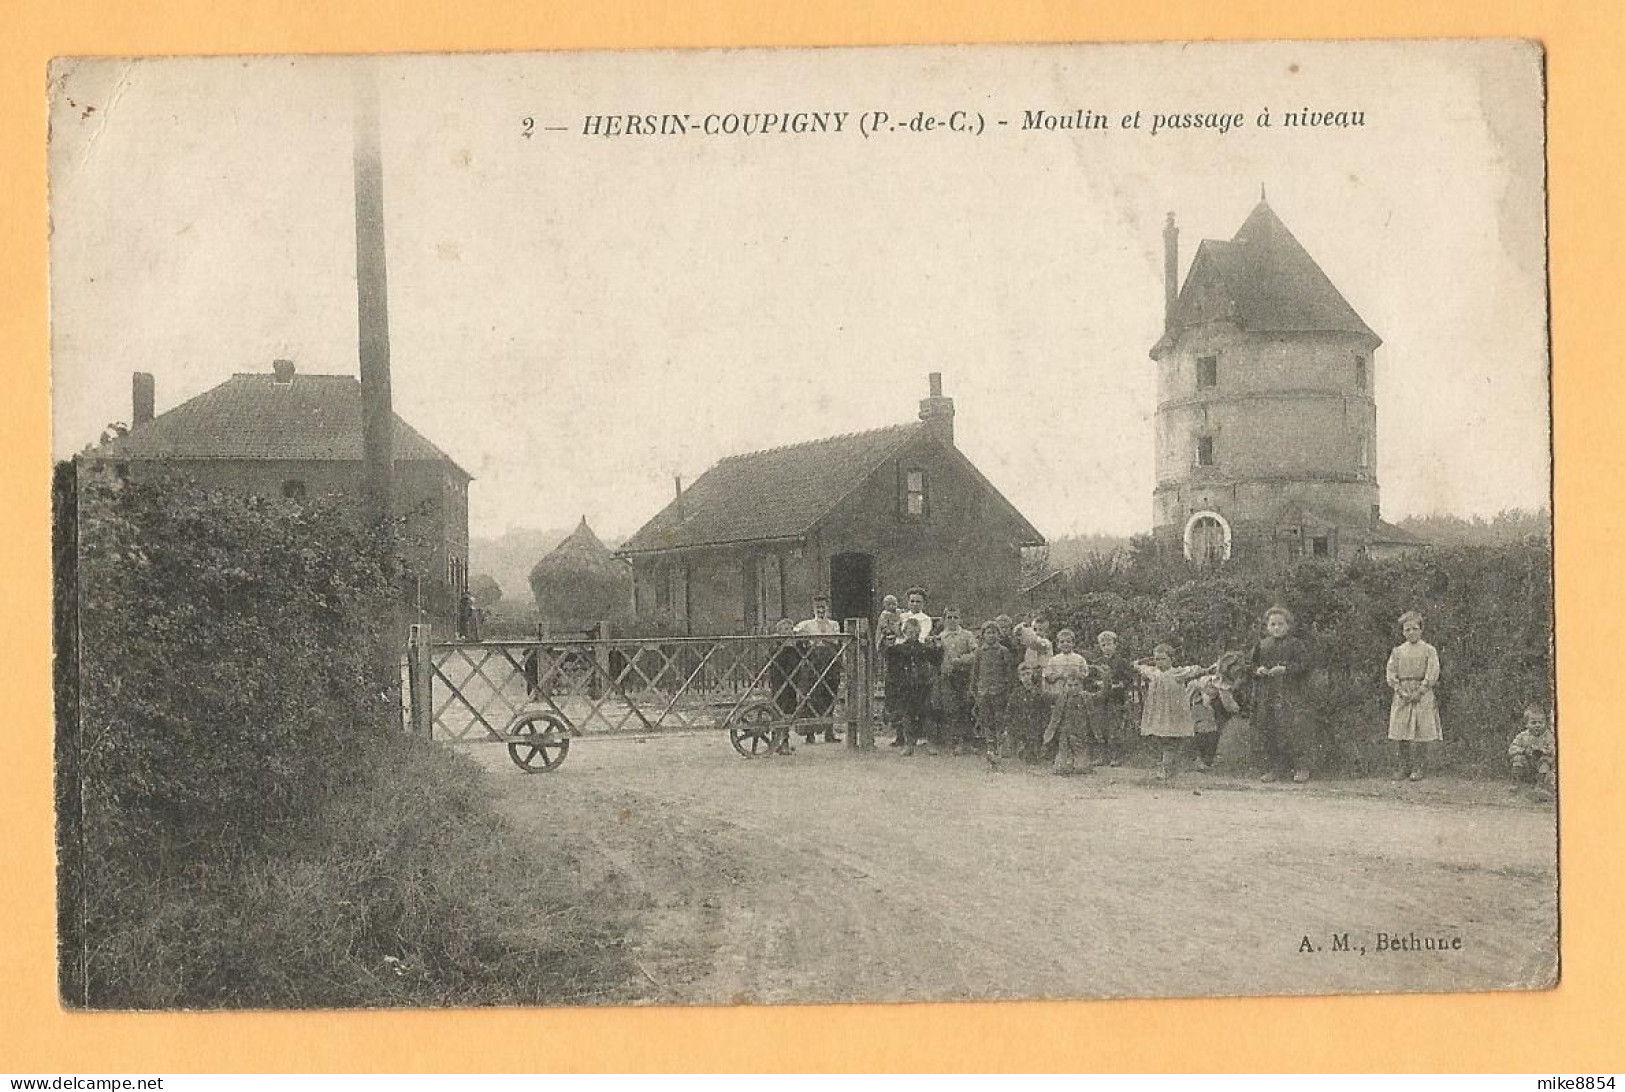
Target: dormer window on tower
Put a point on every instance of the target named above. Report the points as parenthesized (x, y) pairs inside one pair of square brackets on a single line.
[(1204, 451), (1207, 372), (1362, 374)]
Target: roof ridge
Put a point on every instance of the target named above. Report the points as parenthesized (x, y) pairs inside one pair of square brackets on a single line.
[(271, 377), (819, 440)]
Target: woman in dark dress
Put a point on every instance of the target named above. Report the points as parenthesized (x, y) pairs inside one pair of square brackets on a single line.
[(1280, 669)]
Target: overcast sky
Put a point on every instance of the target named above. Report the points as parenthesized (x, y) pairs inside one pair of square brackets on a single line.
[(576, 319)]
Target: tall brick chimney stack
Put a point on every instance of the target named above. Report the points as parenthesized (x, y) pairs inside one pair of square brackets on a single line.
[(938, 412), (142, 394), (1170, 274)]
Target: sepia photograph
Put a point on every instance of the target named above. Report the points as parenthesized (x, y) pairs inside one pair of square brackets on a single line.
[(785, 526)]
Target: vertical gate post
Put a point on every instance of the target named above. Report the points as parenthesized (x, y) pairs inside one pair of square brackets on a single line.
[(419, 678), (866, 696), (860, 733)]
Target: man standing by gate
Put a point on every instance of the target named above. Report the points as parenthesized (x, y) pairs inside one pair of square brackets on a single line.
[(822, 665)]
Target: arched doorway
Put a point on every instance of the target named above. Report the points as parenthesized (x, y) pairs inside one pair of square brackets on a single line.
[(1207, 538)]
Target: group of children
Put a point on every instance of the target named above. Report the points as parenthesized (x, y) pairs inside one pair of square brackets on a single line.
[(1011, 692)]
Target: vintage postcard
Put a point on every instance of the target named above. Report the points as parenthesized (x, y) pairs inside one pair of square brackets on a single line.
[(783, 526)]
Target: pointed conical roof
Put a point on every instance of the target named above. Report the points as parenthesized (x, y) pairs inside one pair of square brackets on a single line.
[(580, 550), (1265, 281)]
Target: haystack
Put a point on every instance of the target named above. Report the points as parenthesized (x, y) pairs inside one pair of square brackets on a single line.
[(580, 582)]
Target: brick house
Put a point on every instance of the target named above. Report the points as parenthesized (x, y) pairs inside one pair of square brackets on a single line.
[(854, 516), (284, 434), (1266, 422)]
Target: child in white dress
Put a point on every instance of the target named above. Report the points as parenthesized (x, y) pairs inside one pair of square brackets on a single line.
[(1413, 718), (1167, 713)]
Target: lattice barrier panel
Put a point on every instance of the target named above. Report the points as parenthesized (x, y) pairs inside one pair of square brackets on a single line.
[(625, 688)]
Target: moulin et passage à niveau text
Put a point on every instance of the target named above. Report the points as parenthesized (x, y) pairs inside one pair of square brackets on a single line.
[(877, 123)]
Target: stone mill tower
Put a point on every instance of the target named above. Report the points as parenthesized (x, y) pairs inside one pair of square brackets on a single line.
[(1266, 406)]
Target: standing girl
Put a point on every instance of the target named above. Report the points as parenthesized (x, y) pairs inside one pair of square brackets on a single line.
[(1167, 712), (1413, 672), (1280, 665)]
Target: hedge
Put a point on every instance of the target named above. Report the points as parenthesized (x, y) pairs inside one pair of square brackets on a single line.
[(1488, 611)]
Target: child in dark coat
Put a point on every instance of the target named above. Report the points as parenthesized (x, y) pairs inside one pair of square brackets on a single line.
[(911, 674), (1117, 727), (1025, 715)]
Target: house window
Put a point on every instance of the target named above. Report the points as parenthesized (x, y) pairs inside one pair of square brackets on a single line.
[(677, 595), (914, 506), (1207, 371), (1204, 451), (1321, 546), (1291, 542), (293, 489), (1362, 378)]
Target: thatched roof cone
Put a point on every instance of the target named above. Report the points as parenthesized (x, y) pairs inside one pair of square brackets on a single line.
[(580, 581), (582, 550)]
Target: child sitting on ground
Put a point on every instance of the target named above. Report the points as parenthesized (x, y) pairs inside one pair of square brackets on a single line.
[(1534, 752)]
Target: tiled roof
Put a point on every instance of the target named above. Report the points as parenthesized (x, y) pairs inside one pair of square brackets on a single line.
[(1362, 532), (1263, 280), (254, 416), (774, 494)]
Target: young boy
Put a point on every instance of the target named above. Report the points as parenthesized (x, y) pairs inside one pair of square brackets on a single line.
[(1032, 638), (916, 611), (888, 631), (1534, 752), (1024, 717), (1066, 676), (1115, 727), (958, 656), (911, 671), (990, 687)]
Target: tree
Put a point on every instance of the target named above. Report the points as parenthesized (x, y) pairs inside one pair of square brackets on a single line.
[(485, 589)]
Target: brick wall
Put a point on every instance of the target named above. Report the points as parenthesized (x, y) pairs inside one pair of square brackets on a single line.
[(962, 548)]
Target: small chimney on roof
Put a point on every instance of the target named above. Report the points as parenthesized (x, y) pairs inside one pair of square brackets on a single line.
[(142, 393), (1170, 273), (938, 412), (677, 480), (283, 370)]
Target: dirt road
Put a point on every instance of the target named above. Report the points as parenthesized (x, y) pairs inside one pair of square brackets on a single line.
[(833, 876)]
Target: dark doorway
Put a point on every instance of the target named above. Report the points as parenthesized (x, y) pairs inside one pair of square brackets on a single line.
[(852, 586)]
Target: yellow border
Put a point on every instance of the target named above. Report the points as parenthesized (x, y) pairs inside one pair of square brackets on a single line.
[(1570, 1030)]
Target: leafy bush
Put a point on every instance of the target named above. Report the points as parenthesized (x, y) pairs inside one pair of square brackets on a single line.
[(229, 652), (240, 820)]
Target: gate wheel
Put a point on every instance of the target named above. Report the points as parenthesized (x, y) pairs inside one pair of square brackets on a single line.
[(547, 746), (751, 731)]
